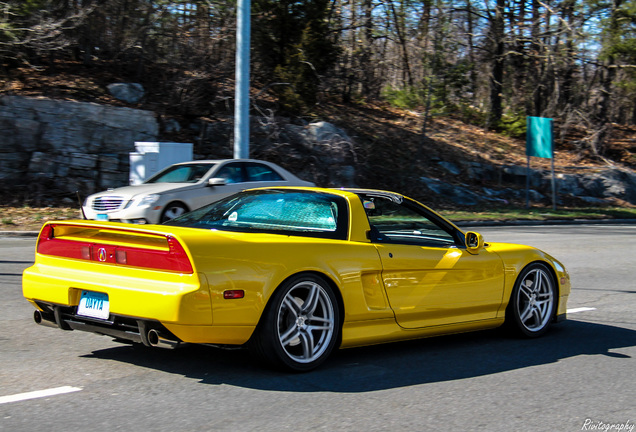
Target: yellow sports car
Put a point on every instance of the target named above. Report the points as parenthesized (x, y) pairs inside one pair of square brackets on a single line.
[(291, 273)]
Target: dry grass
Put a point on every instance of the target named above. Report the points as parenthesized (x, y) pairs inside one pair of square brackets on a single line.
[(32, 218)]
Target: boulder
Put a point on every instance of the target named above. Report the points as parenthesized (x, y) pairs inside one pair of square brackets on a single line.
[(325, 151), (609, 183), (450, 167), (619, 183), (458, 194), (331, 144), (128, 92)]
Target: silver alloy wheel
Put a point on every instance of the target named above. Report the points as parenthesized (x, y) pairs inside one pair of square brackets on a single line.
[(535, 300), (172, 211), (305, 322)]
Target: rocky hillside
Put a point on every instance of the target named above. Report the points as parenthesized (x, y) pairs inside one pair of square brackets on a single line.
[(454, 164)]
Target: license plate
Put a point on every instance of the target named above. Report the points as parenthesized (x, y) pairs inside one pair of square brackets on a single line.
[(94, 305), (102, 217)]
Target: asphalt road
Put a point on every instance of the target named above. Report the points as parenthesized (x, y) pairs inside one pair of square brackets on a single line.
[(580, 376)]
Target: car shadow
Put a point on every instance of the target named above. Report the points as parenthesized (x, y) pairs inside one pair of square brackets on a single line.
[(31, 262), (387, 366), (27, 263)]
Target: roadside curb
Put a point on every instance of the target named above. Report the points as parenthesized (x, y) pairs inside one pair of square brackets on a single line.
[(548, 222), (19, 233), (5, 234)]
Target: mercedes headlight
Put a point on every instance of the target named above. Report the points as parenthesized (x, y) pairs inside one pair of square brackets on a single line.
[(148, 200)]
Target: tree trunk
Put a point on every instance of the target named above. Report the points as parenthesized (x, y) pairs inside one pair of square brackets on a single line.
[(607, 78), (368, 79), (497, 64), (568, 73), (408, 78), (471, 50), (537, 52)]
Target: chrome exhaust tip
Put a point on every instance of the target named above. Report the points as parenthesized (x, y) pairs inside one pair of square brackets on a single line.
[(156, 339), (44, 320)]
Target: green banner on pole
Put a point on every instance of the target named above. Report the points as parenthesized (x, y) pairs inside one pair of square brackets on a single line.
[(539, 137)]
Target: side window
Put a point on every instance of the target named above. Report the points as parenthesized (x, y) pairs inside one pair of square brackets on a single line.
[(257, 172), (190, 173), (178, 175), (399, 222), (232, 173), (197, 172)]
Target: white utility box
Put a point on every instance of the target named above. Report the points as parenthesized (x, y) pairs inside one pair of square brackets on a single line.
[(152, 157)]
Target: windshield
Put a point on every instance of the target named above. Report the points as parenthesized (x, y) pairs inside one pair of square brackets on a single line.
[(290, 212), (189, 173)]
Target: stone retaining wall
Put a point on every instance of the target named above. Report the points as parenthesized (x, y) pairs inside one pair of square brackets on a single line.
[(69, 146)]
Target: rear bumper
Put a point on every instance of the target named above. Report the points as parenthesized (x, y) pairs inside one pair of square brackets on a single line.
[(138, 330), (177, 306), (119, 327), (145, 294), (150, 215)]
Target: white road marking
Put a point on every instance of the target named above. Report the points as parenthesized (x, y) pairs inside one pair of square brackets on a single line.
[(581, 309), (38, 394)]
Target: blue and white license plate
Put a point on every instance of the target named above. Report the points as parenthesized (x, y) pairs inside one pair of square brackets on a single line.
[(94, 304), (102, 217)]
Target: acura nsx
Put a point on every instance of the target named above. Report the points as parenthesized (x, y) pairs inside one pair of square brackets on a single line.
[(292, 274)]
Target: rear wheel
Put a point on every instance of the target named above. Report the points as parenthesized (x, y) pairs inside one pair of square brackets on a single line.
[(531, 306), (173, 210), (301, 325)]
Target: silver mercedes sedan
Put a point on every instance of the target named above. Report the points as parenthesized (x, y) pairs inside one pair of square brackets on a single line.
[(183, 187)]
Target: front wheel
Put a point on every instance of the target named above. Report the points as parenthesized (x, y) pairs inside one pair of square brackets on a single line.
[(173, 210), (532, 303), (301, 325)]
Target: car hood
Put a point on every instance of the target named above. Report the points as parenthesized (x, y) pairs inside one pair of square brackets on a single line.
[(145, 189), (514, 254), (508, 247), (511, 251)]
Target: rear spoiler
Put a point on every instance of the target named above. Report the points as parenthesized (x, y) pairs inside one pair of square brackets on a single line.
[(111, 244)]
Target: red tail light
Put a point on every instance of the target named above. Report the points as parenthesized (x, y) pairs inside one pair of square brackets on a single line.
[(164, 253)]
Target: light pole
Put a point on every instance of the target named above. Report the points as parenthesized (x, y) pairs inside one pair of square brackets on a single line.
[(242, 90)]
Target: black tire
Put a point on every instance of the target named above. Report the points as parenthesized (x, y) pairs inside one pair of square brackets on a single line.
[(300, 326), (534, 297), (173, 210)]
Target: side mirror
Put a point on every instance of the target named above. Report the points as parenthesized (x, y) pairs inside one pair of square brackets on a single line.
[(474, 242), (217, 181)]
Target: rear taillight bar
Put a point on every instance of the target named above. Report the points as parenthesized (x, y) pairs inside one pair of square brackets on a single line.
[(170, 258)]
